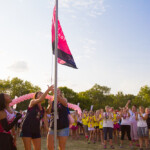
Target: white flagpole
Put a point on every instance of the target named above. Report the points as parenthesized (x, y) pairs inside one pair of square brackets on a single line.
[(55, 93)]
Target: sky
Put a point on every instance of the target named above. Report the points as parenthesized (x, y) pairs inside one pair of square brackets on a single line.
[(109, 40)]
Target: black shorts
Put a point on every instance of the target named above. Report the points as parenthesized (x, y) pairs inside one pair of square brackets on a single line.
[(96, 127), (32, 135), (79, 124), (32, 132), (6, 142)]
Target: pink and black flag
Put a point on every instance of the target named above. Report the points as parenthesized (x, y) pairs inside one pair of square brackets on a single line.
[(64, 55)]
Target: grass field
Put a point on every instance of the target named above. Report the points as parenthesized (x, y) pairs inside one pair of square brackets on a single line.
[(80, 144)]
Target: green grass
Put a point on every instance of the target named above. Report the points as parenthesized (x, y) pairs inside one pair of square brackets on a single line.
[(80, 144)]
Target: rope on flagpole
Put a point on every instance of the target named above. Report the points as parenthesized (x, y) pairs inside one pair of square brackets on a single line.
[(52, 70)]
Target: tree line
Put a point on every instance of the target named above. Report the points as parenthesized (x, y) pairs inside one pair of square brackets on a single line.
[(98, 96)]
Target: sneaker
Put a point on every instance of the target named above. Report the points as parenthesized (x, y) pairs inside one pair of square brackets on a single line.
[(105, 147), (112, 147), (88, 142)]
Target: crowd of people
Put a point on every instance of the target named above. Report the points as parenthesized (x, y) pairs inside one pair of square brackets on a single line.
[(98, 126), (30, 124), (131, 124)]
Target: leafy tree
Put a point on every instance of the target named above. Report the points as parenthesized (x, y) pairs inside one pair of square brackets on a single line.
[(75, 98), (143, 97), (120, 99), (18, 87), (97, 95), (5, 86), (85, 102), (144, 93)]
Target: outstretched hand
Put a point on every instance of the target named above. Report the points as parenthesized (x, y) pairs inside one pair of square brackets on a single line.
[(51, 88)]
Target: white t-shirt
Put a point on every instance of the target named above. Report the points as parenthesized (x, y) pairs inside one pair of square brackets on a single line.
[(125, 120), (107, 122), (132, 116), (141, 122)]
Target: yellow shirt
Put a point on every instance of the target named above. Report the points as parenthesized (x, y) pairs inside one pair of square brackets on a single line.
[(90, 122), (84, 120), (115, 119), (100, 122), (95, 122)]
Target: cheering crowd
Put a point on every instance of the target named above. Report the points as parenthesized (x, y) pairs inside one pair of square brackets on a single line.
[(132, 124), (97, 126)]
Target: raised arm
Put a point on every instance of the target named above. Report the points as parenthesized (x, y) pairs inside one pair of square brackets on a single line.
[(62, 100), (127, 104), (37, 101), (48, 111)]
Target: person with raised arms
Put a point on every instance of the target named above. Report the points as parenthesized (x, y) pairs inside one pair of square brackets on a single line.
[(133, 121), (62, 122), (31, 125)]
